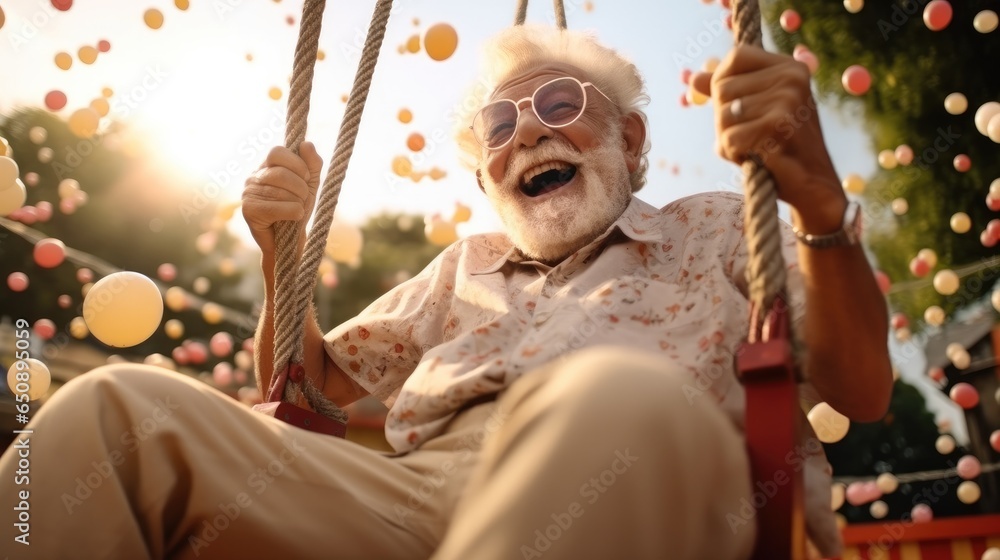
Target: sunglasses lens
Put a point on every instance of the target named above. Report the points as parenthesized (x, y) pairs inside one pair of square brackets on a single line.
[(560, 102), (495, 123)]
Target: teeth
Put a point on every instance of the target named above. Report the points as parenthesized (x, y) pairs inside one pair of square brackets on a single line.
[(539, 169)]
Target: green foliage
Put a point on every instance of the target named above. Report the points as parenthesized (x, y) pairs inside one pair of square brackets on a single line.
[(913, 69)]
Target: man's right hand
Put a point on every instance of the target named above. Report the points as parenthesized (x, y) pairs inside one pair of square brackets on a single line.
[(283, 188)]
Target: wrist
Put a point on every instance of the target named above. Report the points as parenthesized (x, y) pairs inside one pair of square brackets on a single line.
[(822, 216)]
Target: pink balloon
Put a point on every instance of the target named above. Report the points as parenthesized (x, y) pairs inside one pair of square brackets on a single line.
[(937, 15), (993, 203), (856, 493), (240, 376), (84, 275), (809, 59), (919, 267), (67, 206), (167, 272), (28, 215), (882, 279), (65, 301), (904, 154), (686, 76), (962, 163), (221, 344), (248, 345), (49, 253), (856, 80), (44, 211), (197, 352), (921, 513), (180, 355), (871, 491), (45, 329), (790, 21), (799, 48), (995, 440), (936, 373), (968, 467), (17, 281), (222, 374), (964, 395)]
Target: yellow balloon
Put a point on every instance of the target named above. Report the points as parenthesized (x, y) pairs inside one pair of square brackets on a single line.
[(837, 495), (830, 426), (182, 5), (960, 222), (956, 103), (212, 313), (87, 54), (64, 61), (9, 172), (899, 205), (946, 282), (160, 360), (78, 328), (83, 122), (413, 44), (174, 328), (462, 213), (441, 233), (887, 159), (405, 116), (440, 41), (153, 18), (100, 106), (887, 483), (695, 97), (35, 378), (344, 243), (123, 309), (854, 184), (274, 93), (176, 299), (969, 492)]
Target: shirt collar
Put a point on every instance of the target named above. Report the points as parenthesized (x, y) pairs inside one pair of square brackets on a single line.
[(640, 222)]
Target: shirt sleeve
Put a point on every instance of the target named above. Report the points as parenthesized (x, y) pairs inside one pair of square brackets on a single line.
[(382, 346)]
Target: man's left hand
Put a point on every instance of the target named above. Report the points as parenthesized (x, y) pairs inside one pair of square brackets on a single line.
[(764, 105)]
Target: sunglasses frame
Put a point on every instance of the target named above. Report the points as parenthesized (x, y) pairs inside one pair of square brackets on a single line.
[(531, 98)]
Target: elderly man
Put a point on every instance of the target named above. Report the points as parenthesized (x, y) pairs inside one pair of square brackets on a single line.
[(565, 390)]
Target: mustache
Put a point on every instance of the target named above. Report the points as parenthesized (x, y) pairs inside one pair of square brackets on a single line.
[(549, 150)]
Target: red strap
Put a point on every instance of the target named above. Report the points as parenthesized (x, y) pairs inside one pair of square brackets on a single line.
[(292, 371)]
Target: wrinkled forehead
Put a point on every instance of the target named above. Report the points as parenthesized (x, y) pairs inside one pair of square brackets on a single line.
[(522, 83)]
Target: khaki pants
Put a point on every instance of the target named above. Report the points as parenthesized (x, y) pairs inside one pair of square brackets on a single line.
[(597, 456)]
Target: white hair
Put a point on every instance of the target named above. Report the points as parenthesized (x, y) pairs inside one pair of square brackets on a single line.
[(520, 48)]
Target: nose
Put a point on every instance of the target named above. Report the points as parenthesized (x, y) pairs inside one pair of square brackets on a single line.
[(529, 130)]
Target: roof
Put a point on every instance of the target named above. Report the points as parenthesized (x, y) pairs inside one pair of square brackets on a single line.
[(967, 333)]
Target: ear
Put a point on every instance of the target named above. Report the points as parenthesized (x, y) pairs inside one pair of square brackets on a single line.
[(479, 179), (633, 139)]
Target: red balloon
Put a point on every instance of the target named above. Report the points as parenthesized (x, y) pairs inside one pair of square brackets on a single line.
[(248, 345), (856, 80), (986, 239), (17, 281), (964, 395), (55, 100), (62, 5), (180, 355), (882, 279), (937, 15), (45, 329), (790, 21), (49, 253), (686, 76), (993, 203), (27, 215), (197, 352), (919, 267), (103, 45), (936, 373), (995, 440), (899, 321), (962, 163), (993, 227)]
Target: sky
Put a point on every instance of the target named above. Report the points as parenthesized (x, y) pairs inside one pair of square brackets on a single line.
[(189, 90)]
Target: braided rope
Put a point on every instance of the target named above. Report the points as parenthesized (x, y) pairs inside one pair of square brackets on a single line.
[(766, 268), (557, 5), (294, 291)]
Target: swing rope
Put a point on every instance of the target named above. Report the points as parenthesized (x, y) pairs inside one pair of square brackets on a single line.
[(558, 8), (295, 282)]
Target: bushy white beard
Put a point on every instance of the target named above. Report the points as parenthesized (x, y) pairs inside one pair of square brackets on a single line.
[(551, 229)]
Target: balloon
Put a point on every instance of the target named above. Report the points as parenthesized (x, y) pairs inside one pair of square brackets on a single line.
[(856, 80), (227, 267), (961, 360), (899, 206), (415, 142), (404, 116), (962, 163), (221, 344), (401, 166), (103, 45), (986, 112), (78, 328), (440, 41), (201, 285), (790, 21), (212, 313), (274, 93), (695, 97), (878, 509), (37, 134), (986, 239), (882, 279), (462, 213), (17, 281), (222, 374), (992, 553), (903, 334), (62, 5), (855, 493), (837, 495), (64, 301), (83, 122), (929, 256), (985, 21), (808, 58), (197, 352), (243, 359), (31, 179), (49, 253), (180, 355), (12, 198), (964, 395), (946, 282), (248, 345), (887, 159), (993, 128), (174, 328), (993, 203), (969, 467), (167, 272), (953, 349), (904, 154), (44, 328), (85, 289), (440, 232), (64, 61), (993, 228), (159, 360), (436, 174), (87, 54), (899, 321), (123, 309), (9, 172), (84, 275), (969, 492), (921, 513), (960, 222), (937, 14), (944, 444), (830, 426), (412, 44), (956, 103), (919, 267), (344, 243), (39, 379), (995, 440), (45, 155), (934, 316), (887, 483), (854, 6), (153, 18), (854, 184), (100, 106)]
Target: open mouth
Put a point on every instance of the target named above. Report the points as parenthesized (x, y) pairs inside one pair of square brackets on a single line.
[(547, 177)]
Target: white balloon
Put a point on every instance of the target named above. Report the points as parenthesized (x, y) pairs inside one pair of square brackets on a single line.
[(956, 103), (8, 172), (993, 128), (986, 112), (830, 426), (854, 6), (13, 198), (991, 554), (837, 494), (934, 316), (887, 483), (985, 21), (945, 444), (878, 509), (38, 379), (953, 350)]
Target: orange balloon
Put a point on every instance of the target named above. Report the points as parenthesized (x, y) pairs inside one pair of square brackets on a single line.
[(413, 44), (83, 122), (182, 4), (3, 18), (415, 142), (107, 92), (100, 106), (153, 18), (320, 55), (274, 93), (436, 174), (405, 116), (440, 41), (87, 54), (64, 61), (401, 166)]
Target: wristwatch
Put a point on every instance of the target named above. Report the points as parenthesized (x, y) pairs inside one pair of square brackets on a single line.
[(849, 233)]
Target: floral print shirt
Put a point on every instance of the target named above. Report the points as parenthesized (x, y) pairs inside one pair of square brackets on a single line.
[(481, 315)]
